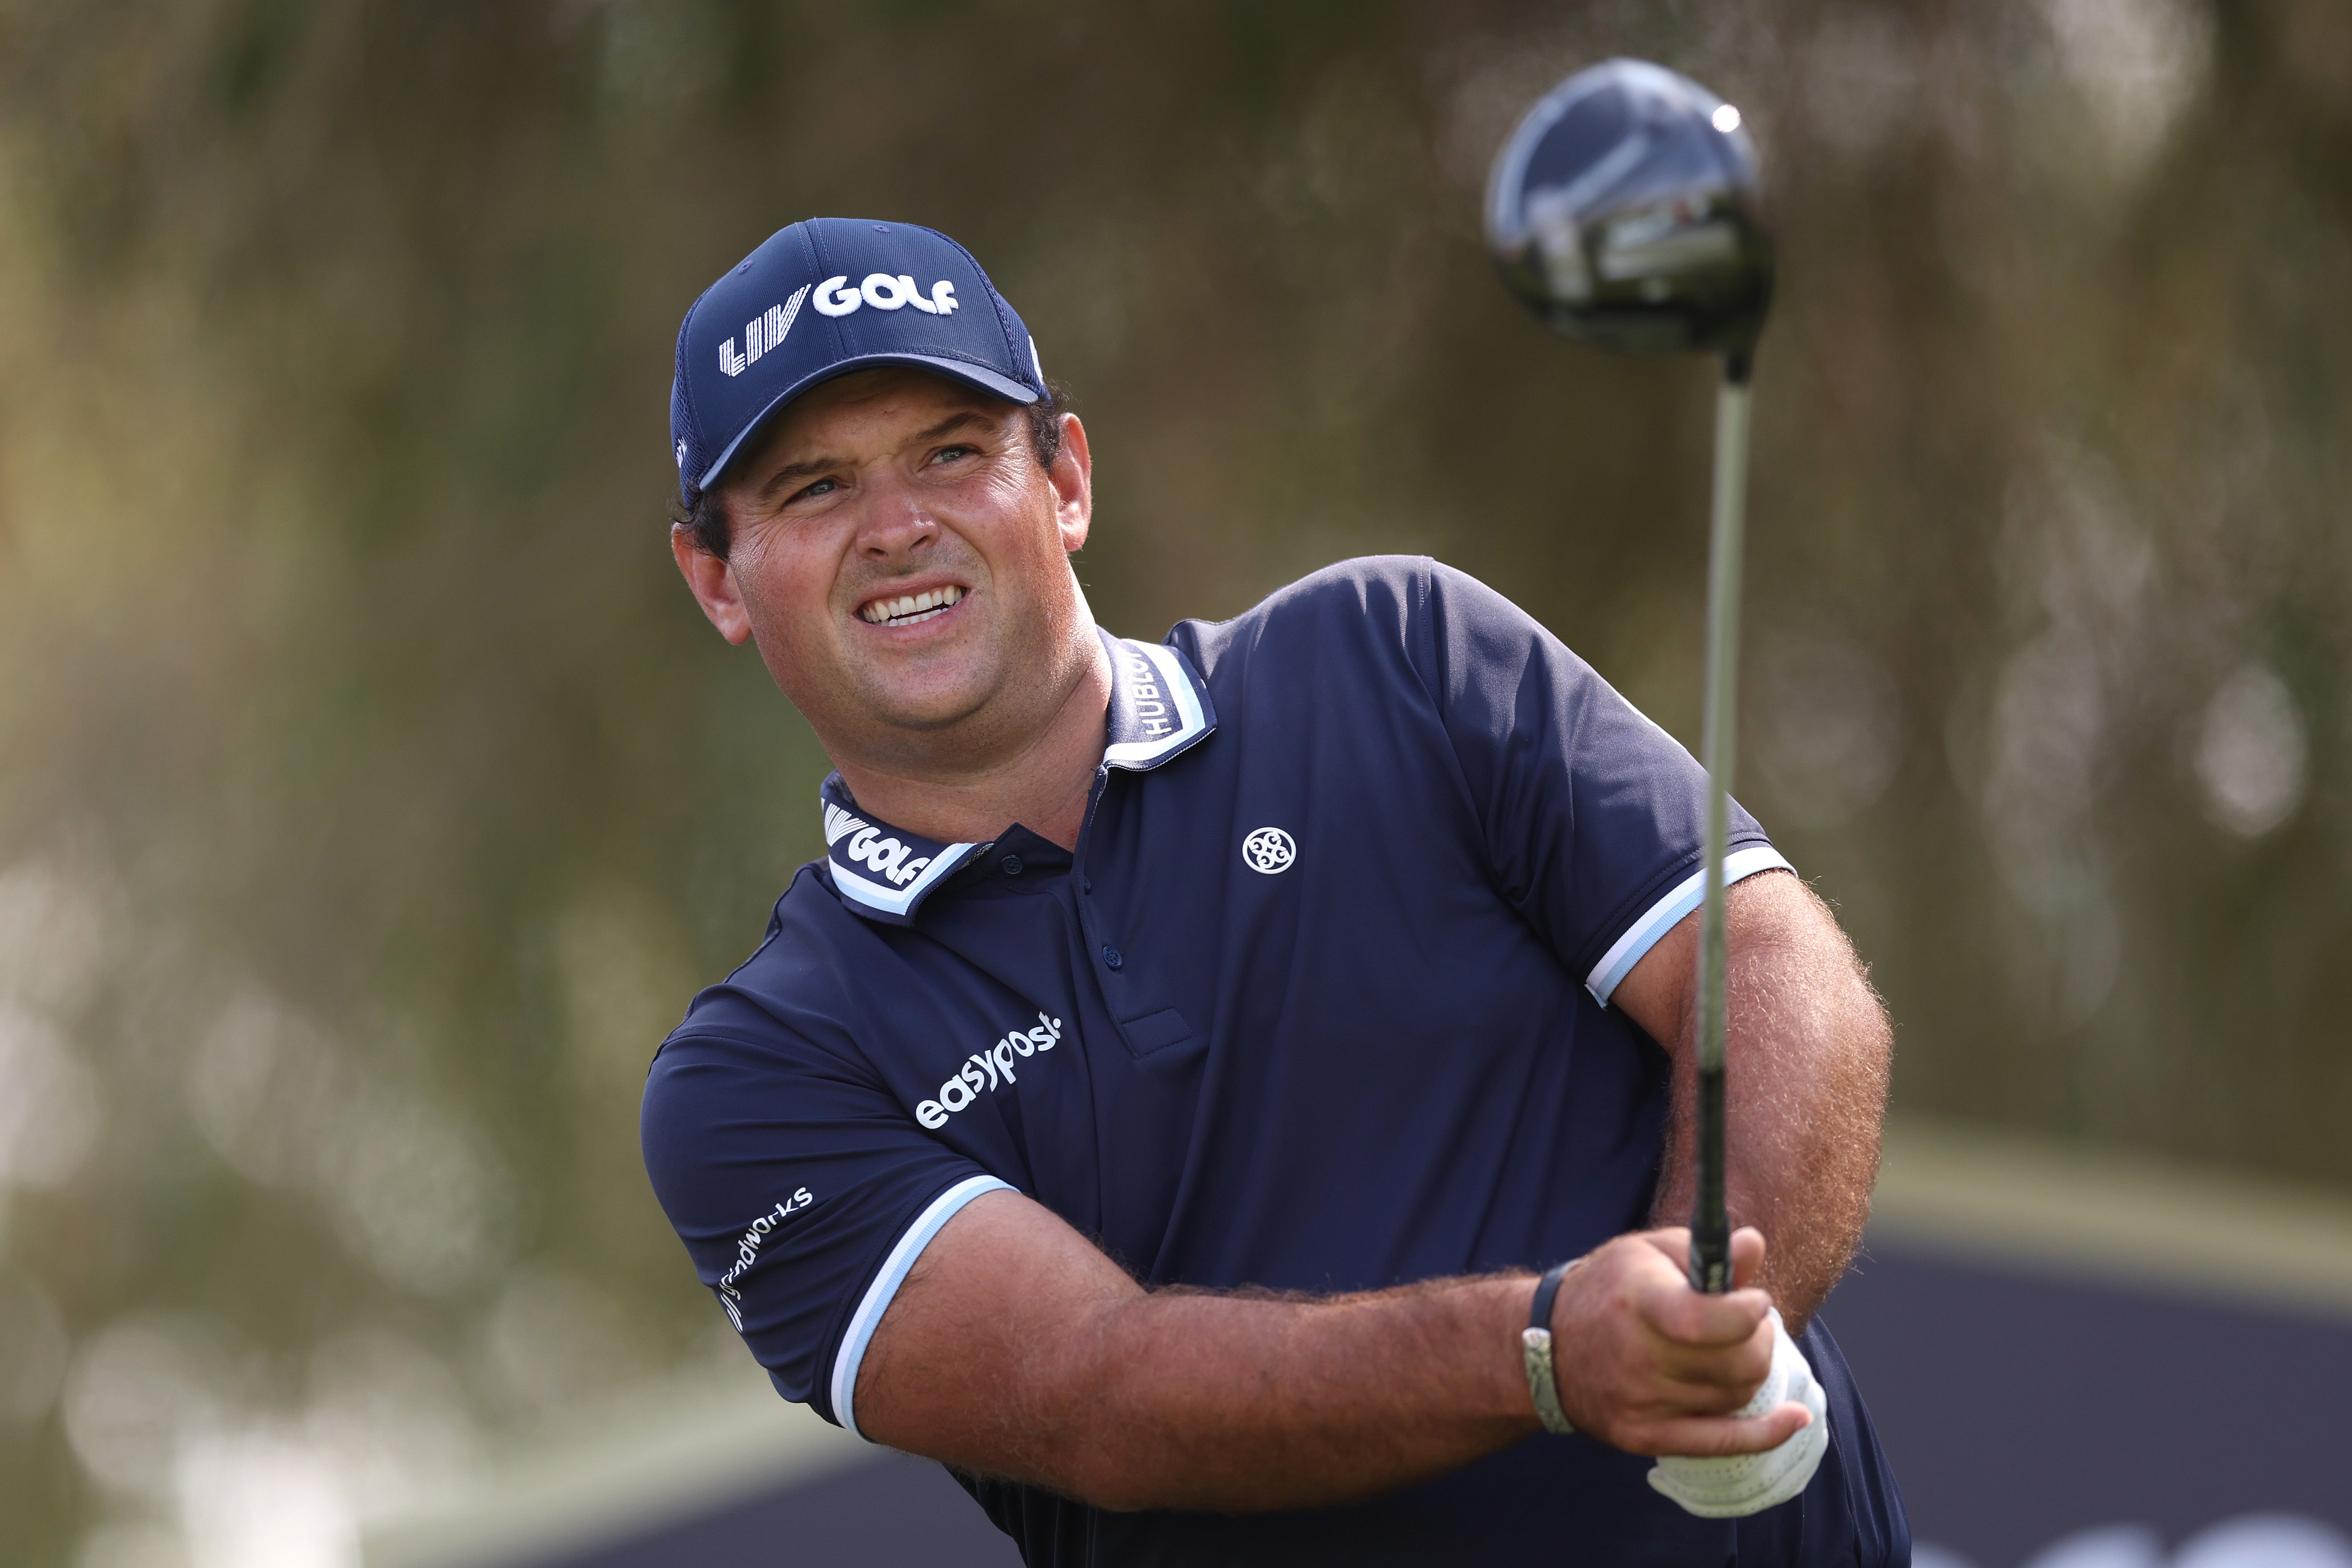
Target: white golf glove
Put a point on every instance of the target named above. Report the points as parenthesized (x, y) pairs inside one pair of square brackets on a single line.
[(1751, 1483)]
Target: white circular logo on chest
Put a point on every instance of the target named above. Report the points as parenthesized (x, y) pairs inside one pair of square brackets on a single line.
[(1269, 850)]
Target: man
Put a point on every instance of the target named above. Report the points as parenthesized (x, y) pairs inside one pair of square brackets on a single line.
[(1159, 1102)]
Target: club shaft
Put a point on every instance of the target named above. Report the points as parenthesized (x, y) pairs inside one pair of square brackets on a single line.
[(1710, 1262)]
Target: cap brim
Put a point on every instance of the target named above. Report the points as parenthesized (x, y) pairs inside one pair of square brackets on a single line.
[(975, 375)]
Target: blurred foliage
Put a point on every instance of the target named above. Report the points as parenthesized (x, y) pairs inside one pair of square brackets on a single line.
[(372, 796)]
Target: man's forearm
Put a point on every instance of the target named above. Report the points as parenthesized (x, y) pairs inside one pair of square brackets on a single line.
[(1178, 1399), (1807, 1076), (1241, 1404)]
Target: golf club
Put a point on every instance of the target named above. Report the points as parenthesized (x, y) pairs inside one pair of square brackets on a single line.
[(1625, 210)]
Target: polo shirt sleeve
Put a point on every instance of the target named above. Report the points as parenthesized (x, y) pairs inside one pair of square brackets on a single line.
[(1594, 818), (802, 1189)]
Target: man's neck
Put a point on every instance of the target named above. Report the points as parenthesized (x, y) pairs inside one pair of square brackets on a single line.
[(1044, 785)]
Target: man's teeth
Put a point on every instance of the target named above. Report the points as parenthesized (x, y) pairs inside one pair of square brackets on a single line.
[(908, 608)]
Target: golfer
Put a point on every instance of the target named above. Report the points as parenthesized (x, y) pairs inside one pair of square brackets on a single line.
[(1228, 1099)]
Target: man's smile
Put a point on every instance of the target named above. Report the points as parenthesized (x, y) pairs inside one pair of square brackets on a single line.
[(907, 609)]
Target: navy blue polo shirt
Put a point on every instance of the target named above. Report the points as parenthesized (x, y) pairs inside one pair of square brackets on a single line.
[(1318, 1004)]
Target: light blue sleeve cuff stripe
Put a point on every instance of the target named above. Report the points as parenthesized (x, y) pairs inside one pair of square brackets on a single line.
[(1643, 933), (893, 1274)]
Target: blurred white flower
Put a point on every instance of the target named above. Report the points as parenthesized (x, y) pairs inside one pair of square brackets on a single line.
[(414, 1195), (265, 1090), (52, 935), (49, 1110), (2138, 63), (417, 1198), (1863, 72), (153, 1412), (135, 1393), (2249, 753), (393, 1418), (2050, 715), (260, 1498)]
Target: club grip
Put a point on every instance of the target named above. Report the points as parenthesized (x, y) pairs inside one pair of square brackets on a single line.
[(1710, 1254)]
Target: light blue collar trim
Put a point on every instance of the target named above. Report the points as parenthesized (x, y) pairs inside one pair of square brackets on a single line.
[(884, 871)]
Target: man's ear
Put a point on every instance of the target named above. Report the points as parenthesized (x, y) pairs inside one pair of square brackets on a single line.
[(1072, 478), (713, 582)]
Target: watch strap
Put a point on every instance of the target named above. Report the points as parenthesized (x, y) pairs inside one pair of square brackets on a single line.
[(1535, 1341)]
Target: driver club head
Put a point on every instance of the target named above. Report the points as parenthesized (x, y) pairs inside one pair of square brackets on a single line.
[(1625, 210)]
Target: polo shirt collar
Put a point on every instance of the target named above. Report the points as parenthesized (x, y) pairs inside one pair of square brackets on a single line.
[(883, 872), (1158, 703), (1159, 708)]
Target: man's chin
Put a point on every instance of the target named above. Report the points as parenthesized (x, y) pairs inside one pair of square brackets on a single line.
[(927, 707), (929, 720), (878, 698)]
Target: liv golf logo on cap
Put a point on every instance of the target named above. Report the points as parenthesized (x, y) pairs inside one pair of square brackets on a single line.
[(761, 333), (752, 343)]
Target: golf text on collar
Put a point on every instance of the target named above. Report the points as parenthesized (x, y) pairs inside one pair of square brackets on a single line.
[(996, 1062), (866, 844), (747, 1250)]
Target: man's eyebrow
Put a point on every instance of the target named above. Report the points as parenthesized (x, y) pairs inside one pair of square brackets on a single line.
[(950, 424), (791, 473)]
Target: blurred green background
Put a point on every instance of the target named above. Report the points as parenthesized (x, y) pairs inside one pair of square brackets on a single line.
[(372, 797)]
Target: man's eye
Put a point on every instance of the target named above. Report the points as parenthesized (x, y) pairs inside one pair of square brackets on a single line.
[(947, 454), (822, 486)]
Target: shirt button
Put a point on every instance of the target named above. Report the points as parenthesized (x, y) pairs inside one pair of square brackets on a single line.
[(1113, 958), (1087, 884), (1012, 865)]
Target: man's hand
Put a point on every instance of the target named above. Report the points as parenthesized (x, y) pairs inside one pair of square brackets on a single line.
[(1648, 1364)]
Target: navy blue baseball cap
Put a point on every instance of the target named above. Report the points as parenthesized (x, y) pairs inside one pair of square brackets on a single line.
[(821, 299)]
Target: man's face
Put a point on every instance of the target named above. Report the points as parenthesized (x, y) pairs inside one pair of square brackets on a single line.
[(902, 562)]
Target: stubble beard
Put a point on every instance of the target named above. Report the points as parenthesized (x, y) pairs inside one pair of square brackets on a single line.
[(1011, 685)]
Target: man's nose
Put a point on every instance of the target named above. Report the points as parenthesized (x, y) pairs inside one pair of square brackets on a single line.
[(895, 524)]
